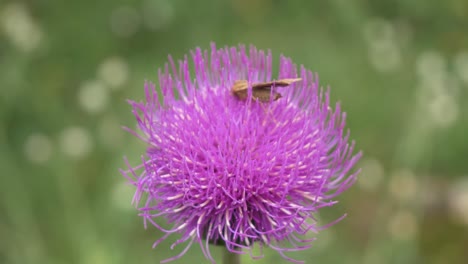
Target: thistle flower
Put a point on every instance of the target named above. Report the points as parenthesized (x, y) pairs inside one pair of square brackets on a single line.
[(238, 170)]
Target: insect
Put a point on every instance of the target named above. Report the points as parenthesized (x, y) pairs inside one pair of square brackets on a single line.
[(261, 91)]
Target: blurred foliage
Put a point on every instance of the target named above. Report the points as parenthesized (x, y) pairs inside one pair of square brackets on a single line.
[(400, 69)]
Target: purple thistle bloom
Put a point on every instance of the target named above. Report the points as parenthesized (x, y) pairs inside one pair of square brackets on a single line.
[(234, 172)]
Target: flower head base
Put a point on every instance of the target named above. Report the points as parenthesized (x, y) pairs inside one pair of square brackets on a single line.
[(222, 170)]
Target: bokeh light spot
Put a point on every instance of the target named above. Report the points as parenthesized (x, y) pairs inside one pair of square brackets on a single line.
[(384, 52), (403, 225), (114, 72), (378, 31), (75, 142), (385, 58), (444, 110), (38, 148), (461, 66), (403, 186), (93, 96), (458, 200), (19, 26), (431, 65)]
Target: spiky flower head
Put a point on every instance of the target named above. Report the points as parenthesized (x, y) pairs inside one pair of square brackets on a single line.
[(231, 170)]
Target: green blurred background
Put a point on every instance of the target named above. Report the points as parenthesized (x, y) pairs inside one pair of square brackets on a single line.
[(400, 69)]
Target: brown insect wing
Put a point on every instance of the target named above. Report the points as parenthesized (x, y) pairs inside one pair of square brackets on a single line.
[(261, 91)]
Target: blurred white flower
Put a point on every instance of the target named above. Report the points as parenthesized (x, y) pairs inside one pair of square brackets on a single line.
[(431, 66), (93, 96), (458, 200), (20, 28), (38, 148), (384, 51), (403, 225), (444, 110), (385, 58), (75, 142), (378, 32), (403, 186), (114, 72), (461, 66)]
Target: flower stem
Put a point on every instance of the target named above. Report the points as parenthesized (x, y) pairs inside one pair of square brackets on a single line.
[(230, 258)]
